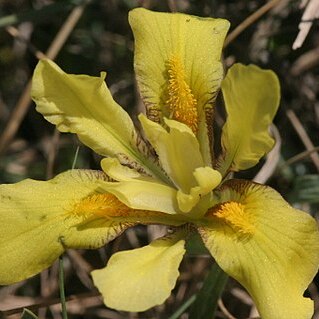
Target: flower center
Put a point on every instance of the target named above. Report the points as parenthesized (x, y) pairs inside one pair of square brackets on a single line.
[(106, 205), (235, 215), (181, 102)]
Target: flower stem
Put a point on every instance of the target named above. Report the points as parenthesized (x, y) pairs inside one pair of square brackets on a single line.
[(75, 157), (61, 284), (61, 269)]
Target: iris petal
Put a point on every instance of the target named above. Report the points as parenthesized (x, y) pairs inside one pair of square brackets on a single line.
[(83, 105), (39, 220), (139, 279), (251, 98), (271, 248), (185, 49)]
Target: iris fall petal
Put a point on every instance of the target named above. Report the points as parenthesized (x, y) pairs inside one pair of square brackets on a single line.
[(271, 248), (83, 105), (39, 220), (178, 68), (139, 279)]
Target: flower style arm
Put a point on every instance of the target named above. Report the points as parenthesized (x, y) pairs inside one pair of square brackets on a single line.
[(138, 191), (191, 177)]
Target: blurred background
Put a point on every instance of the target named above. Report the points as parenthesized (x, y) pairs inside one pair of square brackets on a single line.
[(92, 36)]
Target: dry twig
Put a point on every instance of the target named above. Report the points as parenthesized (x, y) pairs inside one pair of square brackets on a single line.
[(272, 159), (303, 136), (250, 20), (23, 103), (305, 62), (311, 12)]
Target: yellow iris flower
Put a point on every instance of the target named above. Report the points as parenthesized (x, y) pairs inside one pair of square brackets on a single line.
[(169, 175)]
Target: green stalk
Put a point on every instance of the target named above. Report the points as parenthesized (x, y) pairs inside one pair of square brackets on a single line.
[(61, 269), (61, 285), (75, 157)]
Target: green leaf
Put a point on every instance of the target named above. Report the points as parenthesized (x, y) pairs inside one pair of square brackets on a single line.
[(305, 189), (195, 246), (205, 304), (27, 314)]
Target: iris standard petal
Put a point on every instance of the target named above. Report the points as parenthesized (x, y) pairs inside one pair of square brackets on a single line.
[(251, 99), (136, 280), (271, 248)]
